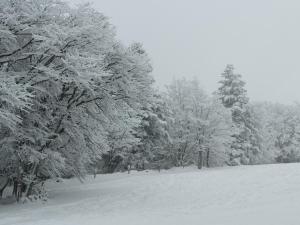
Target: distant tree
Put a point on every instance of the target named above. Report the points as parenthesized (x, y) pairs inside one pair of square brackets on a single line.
[(280, 132), (246, 144), (197, 123), (232, 91)]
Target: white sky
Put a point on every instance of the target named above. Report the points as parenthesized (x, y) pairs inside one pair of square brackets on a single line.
[(197, 38)]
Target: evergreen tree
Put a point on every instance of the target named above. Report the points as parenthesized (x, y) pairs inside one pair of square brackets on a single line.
[(246, 143)]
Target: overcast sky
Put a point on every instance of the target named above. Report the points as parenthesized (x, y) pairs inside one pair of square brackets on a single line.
[(197, 38)]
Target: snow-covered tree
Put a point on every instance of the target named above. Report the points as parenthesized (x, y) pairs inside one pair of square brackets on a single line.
[(68, 63), (246, 144), (197, 123), (153, 135), (280, 132)]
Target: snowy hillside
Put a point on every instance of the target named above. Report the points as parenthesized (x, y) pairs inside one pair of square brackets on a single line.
[(268, 194)]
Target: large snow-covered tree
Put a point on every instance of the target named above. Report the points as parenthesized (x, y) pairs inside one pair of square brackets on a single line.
[(246, 144), (197, 123), (65, 75), (154, 136)]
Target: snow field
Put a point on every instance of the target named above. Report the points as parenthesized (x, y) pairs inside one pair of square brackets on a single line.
[(267, 195)]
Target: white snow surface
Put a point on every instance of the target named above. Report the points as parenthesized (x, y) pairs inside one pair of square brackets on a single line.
[(267, 195)]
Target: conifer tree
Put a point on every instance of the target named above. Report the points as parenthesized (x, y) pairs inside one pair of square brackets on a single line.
[(245, 145)]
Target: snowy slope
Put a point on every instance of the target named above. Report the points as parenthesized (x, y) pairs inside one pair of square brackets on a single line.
[(255, 195)]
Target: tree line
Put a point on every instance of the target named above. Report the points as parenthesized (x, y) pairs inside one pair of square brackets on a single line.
[(74, 100)]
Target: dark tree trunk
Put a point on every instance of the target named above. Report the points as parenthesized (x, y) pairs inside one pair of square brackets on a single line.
[(17, 190), (207, 158), (95, 172), (3, 188), (200, 160), (15, 184)]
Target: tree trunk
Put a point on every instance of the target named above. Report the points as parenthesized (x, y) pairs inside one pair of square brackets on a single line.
[(5, 183), (30, 184), (95, 171), (207, 158), (183, 152), (15, 184), (17, 190), (128, 168), (200, 159), (143, 165)]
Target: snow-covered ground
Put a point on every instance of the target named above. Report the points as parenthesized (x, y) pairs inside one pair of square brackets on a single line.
[(255, 195)]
